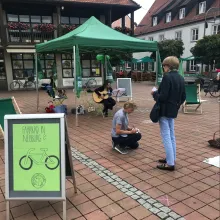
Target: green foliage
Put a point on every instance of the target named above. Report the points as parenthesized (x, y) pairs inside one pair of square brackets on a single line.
[(208, 49), (115, 60), (169, 48)]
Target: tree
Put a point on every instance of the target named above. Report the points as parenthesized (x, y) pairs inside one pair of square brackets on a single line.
[(169, 48), (116, 59), (208, 49)]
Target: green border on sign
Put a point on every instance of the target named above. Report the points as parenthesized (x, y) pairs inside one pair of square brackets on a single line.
[(36, 157)]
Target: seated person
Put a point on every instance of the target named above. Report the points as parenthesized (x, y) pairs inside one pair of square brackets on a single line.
[(124, 136), (109, 102), (218, 78)]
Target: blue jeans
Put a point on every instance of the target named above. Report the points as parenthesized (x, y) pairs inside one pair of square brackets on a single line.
[(168, 138)]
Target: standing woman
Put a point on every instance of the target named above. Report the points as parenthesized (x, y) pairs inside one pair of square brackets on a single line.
[(170, 95), (109, 102)]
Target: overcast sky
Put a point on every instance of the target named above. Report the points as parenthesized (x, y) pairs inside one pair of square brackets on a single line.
[(139, 14)]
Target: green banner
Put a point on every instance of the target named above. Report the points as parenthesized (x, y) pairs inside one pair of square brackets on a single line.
[(78, 80), (36, 157), (159, 69)]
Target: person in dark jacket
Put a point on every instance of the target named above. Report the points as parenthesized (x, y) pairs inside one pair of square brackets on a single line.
[(171, 95), (109, 102)]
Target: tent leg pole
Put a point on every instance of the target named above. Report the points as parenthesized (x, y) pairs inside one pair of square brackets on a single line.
[(75, 87), (37, 82), (157, 68)]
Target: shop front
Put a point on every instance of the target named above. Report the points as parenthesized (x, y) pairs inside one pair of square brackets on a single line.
[(3, 78)]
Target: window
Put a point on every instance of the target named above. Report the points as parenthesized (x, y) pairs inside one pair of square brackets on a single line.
[(192, 66), (2, 66), (135, 66), (23, 65), (142, 66), (128, 65), (150, 67), (216, 29), (182, 13), (31, 19), (195, 34), (161, 37), (178, 35), (73, 20), (168, 17), (202, 7), (67, 65), (154, 21), (90, 66), (151, 38)]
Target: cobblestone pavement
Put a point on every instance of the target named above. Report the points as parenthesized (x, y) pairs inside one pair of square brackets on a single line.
[(114, 186)]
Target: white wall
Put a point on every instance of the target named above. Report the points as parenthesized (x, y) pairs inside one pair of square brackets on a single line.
[(186, 36)]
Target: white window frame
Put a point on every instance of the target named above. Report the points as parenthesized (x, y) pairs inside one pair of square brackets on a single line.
[(193, 34), (215, 29), (150, 66), (151, 38), (128, 65), (154, 21), (161, 37), (168, 17), (182, 13), (192, 65), (177, 37), (135, 66), (202, 7), (142, 66)]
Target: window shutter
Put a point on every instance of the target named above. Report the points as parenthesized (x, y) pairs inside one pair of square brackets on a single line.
[(197, 8), (187, 65)]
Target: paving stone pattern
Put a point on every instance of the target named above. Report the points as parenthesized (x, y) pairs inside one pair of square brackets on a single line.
[(146, 201)]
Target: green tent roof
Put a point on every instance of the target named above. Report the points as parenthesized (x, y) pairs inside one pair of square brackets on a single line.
[(143, 60), (94, 36)]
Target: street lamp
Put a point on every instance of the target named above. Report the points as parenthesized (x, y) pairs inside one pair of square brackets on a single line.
[(213, 9)]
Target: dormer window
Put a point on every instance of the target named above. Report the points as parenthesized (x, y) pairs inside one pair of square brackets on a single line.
[(202, 7), (154, 21), (182, 13), (168, 17)]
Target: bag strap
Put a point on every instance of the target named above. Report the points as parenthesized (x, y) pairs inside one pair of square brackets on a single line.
[(214, 135)]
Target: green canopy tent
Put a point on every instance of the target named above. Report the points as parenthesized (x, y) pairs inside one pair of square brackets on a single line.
[(143, 60), (181, 71), (95, 37)]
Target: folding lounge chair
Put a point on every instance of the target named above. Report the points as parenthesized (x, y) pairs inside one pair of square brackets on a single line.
[(8, 106), (193, 99)]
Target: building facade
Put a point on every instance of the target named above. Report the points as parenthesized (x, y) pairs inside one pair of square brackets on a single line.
[(183, 20), (24, 23)]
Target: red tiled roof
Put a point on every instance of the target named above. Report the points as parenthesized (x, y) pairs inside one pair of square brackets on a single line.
[(108, 2), (147, 20), (191, 17)]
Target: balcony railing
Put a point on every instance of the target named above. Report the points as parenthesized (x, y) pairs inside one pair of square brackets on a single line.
[(23, 33)]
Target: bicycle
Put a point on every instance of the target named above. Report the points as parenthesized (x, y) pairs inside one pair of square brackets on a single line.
[(51, 161), (213, 88), (90, 85), (28, 84)]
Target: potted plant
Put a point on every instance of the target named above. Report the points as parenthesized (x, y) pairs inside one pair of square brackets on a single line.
[(44, 27)]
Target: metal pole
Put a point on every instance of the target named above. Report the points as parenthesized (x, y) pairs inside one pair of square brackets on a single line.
[(37, 82), (106, 68), (157, 68), (75, 83)]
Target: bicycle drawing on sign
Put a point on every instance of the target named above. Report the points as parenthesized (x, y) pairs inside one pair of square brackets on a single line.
[(50, 161)]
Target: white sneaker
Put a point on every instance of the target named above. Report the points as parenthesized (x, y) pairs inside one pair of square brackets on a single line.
[(121, 150)]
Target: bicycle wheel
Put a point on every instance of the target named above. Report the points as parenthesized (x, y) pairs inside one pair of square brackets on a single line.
[(27, 165), (30, 85), (91, 84), (14, 85), (52, 162), (213, 90)]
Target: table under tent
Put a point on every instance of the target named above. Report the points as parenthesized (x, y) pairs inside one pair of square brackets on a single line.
[(95, 37)]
